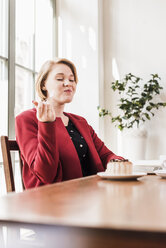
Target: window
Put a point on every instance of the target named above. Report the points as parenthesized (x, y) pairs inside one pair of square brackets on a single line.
[(34, 45), (31, 41), (3, 68), (27, 30)]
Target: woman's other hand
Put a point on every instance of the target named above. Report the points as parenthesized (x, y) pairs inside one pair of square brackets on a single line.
[(45, 111)]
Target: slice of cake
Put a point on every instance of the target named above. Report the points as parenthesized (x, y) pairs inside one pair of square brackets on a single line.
[(119, 167)]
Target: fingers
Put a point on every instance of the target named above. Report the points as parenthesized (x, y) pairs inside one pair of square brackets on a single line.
[(45, 111), (50, 112), (40, 106), (48, 107), (41, 109)]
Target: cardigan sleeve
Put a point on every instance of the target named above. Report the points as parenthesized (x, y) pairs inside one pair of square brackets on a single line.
[(38, 146), (104, 153)]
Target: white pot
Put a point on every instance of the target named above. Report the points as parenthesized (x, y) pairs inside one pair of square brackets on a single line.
[(132, 143)]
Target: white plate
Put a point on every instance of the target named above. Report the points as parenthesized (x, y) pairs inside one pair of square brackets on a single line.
[(121, 177), (161, 173)]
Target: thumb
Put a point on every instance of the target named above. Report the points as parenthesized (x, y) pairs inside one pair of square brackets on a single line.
[(35, 103)]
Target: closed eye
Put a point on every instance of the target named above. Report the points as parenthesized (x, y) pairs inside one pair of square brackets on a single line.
[(59, 79)]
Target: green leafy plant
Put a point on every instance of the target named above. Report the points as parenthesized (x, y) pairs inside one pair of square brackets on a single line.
[(137, 101)]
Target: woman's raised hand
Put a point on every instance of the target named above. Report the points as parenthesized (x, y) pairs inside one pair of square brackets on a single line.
[(45, 111)]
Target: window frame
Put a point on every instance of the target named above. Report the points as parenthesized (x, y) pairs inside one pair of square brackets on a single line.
[(12, 64), (11, 61)]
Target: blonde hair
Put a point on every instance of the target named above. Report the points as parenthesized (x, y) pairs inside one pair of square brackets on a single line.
[(46, 69)]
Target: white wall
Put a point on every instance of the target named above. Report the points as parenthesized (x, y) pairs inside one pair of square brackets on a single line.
[(78, 32), (135, 41), (131, 36)]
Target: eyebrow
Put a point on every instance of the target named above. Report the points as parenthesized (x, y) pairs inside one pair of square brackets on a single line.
[(62, 74)]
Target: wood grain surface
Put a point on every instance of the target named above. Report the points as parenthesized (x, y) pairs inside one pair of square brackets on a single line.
[(92, 202)]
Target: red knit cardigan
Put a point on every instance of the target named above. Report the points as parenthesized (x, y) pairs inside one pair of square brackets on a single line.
[(48, 153)]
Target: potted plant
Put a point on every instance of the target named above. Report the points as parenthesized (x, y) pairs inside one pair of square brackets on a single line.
[(137, 101)]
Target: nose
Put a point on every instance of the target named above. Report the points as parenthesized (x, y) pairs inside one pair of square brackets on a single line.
[(67, 83)]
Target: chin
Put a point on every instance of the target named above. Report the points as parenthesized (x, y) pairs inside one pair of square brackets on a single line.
[(68, 100)]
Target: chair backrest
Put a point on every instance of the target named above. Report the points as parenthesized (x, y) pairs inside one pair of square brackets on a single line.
[(8, 146)]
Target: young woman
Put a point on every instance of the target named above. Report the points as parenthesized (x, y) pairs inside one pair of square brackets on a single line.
[(57, 146)]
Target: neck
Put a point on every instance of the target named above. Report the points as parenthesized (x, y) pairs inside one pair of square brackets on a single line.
[(59, 108), (59, 111)]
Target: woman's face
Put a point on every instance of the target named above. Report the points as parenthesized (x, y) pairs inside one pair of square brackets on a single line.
[(60, 84)]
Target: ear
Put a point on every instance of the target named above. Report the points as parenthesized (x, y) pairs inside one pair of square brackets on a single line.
[(44, 88)]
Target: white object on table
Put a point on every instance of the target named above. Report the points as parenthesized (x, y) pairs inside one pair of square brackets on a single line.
[(135, 175), (161, 173), (148, 166)]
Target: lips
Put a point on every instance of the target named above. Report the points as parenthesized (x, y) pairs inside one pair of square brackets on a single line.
[(68, 91)]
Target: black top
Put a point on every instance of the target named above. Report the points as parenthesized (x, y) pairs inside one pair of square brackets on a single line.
[(80, 145)]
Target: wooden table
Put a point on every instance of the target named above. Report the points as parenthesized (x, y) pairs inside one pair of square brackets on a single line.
[(91, 212)]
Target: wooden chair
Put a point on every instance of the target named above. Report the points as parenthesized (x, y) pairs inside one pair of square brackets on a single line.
[(8, 146)]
